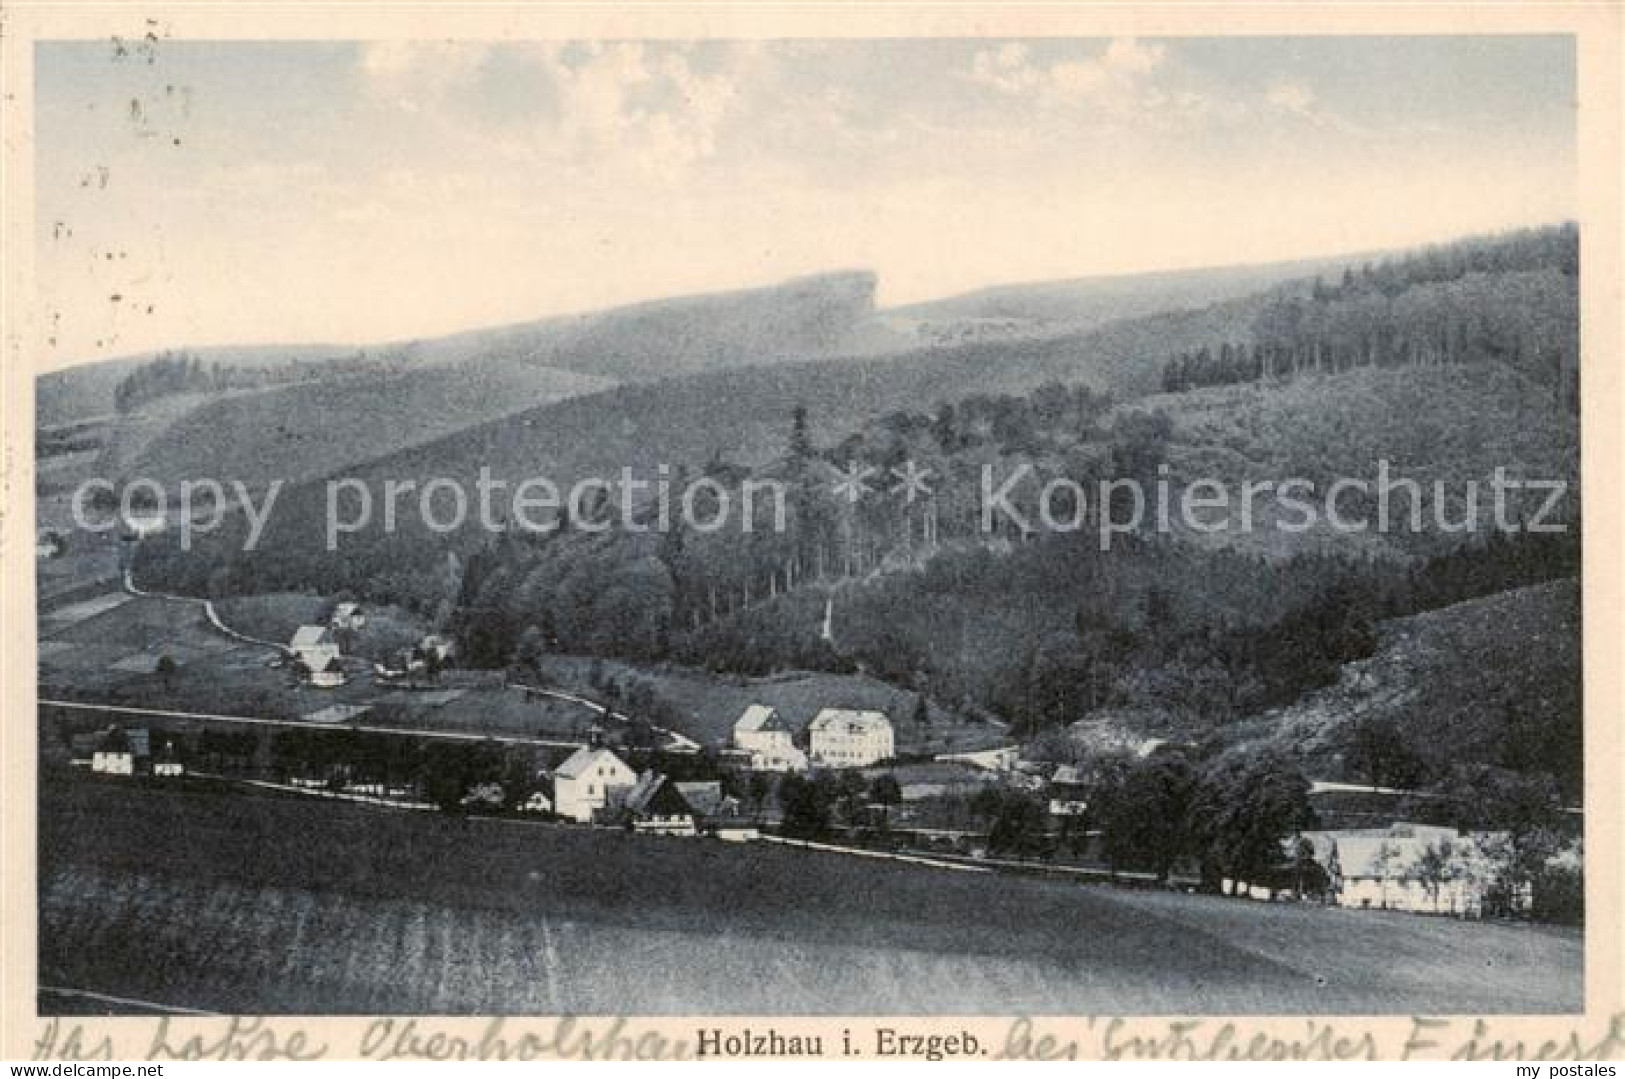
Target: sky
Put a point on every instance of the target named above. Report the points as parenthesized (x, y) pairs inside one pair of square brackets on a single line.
[(196, 193)]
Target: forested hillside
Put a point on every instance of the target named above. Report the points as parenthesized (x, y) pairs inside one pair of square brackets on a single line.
[(1177, 632), (1511, 299)]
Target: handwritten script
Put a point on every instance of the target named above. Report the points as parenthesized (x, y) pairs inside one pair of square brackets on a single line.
[(572, 1038)]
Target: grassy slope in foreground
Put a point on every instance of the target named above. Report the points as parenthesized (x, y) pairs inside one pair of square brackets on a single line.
[(247, 903)]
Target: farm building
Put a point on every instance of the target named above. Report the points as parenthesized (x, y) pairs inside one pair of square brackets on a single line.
[(315, 647), (1410, 867), (122, 752), (347, 616), (707, 799), (850, 738), (996, 759), (760, 732), (166, 763), (936, 779), (1068, 792), (654, 804), (584, 783)]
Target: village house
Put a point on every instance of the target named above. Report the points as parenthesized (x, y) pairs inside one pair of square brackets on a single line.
[(760, 732), (850, 738), (1409, 867), (122, 752), (166, 763), (708, 800), (1068, 792), (587, 781), (315, 647), (347, 616), (935, 779), (655, 805)]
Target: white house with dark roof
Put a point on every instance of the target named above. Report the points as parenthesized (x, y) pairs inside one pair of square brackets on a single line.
[(314, 646), (655, 804), (850, 738), (761, 732), (122, 752), (587, 781)]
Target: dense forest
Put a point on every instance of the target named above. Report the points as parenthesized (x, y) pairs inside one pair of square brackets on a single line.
[(1511, 300)]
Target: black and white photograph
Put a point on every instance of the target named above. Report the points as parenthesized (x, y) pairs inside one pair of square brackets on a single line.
[(914, 525)]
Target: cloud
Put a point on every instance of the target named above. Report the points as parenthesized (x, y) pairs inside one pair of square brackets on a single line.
[(416, 74), (650, 108), (1115, 73), (1297, 99), (646, 107)]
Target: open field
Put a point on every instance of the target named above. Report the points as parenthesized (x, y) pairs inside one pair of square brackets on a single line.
[(106, 648), (200, 898)]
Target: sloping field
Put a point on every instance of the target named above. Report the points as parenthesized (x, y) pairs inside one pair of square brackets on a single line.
[(295, 432), (246, 903)]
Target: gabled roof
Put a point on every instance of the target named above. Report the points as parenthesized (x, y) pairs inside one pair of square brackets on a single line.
[(346, 610), (584, 759), (135, 741), (1067, 775), (759, 717), (855, 720), (311, 636), (654, 796), (706, 799)]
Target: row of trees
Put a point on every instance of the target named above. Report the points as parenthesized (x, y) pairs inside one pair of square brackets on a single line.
[(1513, 300), (165, 375), (1228, 818), (174, 372)]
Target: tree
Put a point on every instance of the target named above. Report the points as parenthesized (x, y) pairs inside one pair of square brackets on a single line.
[(1382, 755), (166, 671), (1526, 811), (1244, 810), (885, 790), (1018, 826), (922, 712), (1143, 811), (1435, 867), (529, 651), (1382, 864), (800, 441), (807, 804)]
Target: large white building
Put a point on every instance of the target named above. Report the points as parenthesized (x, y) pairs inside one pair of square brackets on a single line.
[(760, 732), (850, 738), (1389, 868), (584, 783)]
